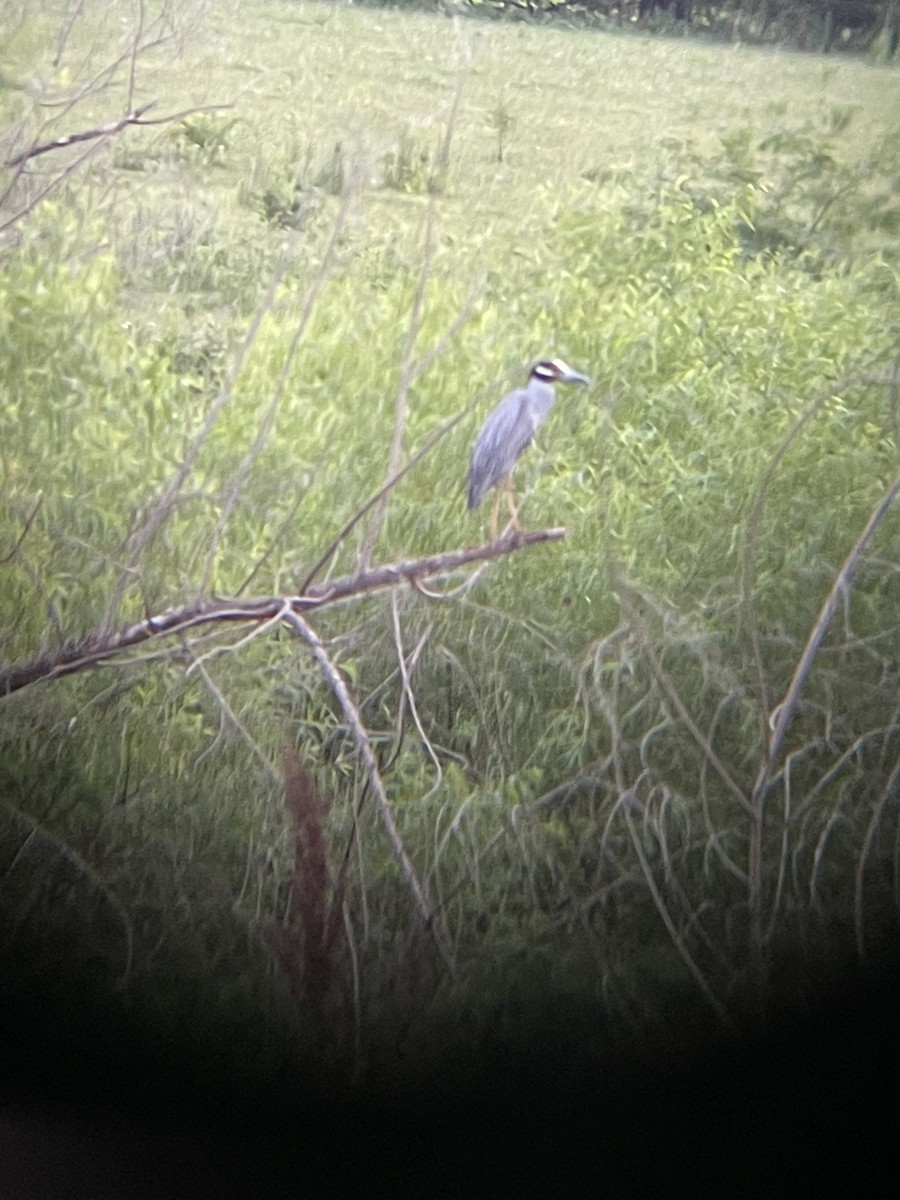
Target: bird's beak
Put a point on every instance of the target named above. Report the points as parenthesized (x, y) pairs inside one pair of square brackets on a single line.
[(574, 377)]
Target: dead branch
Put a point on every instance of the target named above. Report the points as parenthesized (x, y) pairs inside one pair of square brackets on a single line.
[(783, 712), (108, 130), (64, 32), (101, 646), (373, 500), (366, 756), (26, 526)]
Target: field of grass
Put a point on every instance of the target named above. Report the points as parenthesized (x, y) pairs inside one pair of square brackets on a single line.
[(309, 80), (622, 767)]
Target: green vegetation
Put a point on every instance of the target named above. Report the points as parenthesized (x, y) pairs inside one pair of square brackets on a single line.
[(620, 766), (870, 26)]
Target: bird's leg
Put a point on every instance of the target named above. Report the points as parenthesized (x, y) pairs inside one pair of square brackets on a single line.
[(511, 501), (495, 504)]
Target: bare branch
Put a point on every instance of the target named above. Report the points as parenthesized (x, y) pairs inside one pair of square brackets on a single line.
[(112, 127), (783, 712), (782, 715), (135, 51), (64, 32), (138, 44), (367, 757), (75, 165), (391, 483), (228, 714), (408, 696), (101, 646), (26, 525)]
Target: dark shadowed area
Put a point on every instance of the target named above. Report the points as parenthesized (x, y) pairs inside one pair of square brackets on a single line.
[(97, 1104)]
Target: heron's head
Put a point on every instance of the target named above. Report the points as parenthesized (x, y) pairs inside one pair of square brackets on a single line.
[(554, 370)]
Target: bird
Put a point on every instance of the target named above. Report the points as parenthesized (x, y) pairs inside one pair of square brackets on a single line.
[(508, 431)]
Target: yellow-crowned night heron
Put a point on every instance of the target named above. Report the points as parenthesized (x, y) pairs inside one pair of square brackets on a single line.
[(507, 432)]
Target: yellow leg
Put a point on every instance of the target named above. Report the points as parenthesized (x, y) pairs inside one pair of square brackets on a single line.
[(511, 501), (495, 504), (505, 487)]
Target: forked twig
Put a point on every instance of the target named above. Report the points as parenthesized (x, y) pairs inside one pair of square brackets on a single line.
[(112, 127), (366, 756), (101, 646)]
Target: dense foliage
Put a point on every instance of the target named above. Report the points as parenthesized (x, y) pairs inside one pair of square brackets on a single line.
[(811, 24), (581, 743)]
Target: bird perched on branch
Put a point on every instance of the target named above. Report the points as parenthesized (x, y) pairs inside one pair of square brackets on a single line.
[(508, 431)]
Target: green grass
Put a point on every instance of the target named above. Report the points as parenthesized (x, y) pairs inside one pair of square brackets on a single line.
[(306, 77), (712, 234)]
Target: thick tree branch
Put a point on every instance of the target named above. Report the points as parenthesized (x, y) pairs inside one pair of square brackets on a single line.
[(100, 647)]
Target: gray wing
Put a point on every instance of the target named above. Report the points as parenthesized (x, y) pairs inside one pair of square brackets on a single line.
[(503, 437)]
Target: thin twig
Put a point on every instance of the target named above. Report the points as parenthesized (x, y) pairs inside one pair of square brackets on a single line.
[(143, 534), (65, 31), (677, 940), (241, 474), (228, 713), (367, 757), (26, 525), (257, 630), (37, 833), (408, 696), (403, 386), (754, 523), (135, 51), (70, 169), (410, 370), (112, 127), (783, 712), (391, 483)]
